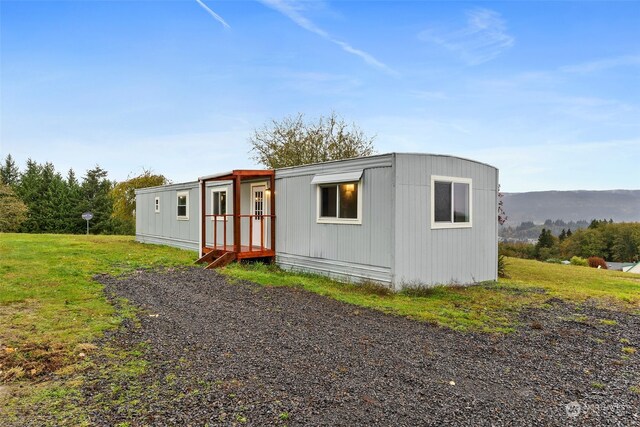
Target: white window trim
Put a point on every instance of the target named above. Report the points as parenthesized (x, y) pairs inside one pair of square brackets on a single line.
[(156, 205), (453, 180), (178, 195), (332, 220), (219, 190)]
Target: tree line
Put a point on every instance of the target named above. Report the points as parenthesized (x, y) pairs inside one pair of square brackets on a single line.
[(529, 230), (617, 242), (40, 199)]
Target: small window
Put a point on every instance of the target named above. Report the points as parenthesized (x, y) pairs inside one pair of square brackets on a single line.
[(183, 205), (157, 204), (451, 201), (219, 203), (339, 203)]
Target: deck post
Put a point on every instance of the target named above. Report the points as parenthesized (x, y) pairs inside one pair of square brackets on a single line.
[(250, 233), (272, 202), (203, 223), (224, 233), (236, 214), (262, 232)]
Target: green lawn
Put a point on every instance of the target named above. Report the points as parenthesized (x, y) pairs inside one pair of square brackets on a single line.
[(49, 305), (51, 310), (490, 307)]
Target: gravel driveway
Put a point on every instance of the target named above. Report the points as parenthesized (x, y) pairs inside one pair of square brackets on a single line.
[(225, 353)]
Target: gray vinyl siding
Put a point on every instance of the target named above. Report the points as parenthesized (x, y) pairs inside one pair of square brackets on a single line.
[(347, 251), (164, 227), (425, 256), (394, 244)]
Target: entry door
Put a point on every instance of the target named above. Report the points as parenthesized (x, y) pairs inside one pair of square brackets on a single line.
[(258, 207)]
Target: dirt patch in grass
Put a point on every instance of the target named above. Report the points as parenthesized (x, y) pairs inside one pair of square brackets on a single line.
[(30, 360)]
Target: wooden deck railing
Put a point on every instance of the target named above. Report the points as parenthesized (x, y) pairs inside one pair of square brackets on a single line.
[(224, 220)]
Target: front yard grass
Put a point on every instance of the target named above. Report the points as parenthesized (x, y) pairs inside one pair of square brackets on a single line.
[(51, 310), (49, 304), (489, 307)]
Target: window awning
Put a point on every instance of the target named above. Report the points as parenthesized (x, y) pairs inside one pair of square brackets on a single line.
[(337, 177)]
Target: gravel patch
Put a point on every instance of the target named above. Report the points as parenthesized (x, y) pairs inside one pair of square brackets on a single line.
[(240, 354)]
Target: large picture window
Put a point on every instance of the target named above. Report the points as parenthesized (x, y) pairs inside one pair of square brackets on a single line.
[(183, 205), (219, 203), (339, 203), (451, 202)]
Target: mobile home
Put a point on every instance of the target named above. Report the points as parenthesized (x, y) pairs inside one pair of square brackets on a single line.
[(398, 219)]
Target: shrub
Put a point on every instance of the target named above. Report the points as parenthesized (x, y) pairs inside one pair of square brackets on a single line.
[(502, 266), (517, 249), (576, 260), (596, 262)]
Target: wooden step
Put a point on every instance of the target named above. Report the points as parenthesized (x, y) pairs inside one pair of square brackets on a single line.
[(208, 257), (222, 260)]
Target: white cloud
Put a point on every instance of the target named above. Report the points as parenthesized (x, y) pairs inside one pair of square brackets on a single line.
[(292, 10), (483, 39), (602, 64)]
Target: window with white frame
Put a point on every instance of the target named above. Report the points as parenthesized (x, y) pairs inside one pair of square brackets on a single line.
[(219, 203), (340, 202), (451, 202), (183, 205), (156, 204)]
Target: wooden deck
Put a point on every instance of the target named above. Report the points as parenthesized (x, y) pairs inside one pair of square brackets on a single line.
[(222, 255), (244, 253)]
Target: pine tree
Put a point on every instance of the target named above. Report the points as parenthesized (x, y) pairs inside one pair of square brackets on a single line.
[(569, 233), (30, 192), (73, 223), (9, 172), (95, 198), (563, 235)]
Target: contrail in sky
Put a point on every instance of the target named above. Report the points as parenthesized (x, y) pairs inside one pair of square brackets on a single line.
[(212, 13), (288, 8)]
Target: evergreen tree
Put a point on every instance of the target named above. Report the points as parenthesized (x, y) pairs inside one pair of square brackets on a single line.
[(9, 172), (545, 243), (55, 200), (74, 223), (563, 235), (569, 233), (95, 198), (545, 240), (30, 191)]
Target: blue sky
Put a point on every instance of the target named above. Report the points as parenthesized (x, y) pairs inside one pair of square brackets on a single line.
[(549, 92)]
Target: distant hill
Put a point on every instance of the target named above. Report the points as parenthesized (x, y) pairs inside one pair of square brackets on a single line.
[(537, 206)]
